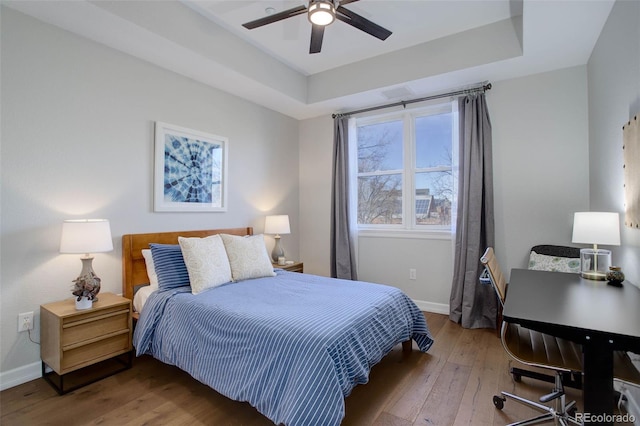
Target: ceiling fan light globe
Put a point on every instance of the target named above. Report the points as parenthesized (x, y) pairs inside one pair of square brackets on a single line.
[(322, 12)]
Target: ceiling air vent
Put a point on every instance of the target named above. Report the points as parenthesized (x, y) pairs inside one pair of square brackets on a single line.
[(397, 93)]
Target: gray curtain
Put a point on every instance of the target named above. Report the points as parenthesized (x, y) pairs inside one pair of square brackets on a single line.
[(343, 259), (472, 304)]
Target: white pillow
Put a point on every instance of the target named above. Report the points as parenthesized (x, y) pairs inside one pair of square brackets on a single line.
[(206, 261), (248, 257), (541, 262), (151, 268)]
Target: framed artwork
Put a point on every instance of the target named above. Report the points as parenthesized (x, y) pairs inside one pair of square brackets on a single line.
[(631, 170), (190, 170)]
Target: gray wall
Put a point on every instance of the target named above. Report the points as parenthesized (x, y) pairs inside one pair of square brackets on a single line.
[(540, 159), (540, 141), (614, 99), (77, 141)]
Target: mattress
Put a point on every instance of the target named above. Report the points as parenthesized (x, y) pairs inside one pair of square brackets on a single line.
[(141, 296)]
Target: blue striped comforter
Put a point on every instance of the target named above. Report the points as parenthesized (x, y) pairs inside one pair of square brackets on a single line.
[(293, 346)]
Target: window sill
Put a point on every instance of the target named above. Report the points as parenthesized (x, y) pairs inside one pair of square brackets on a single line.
[(406, 233)]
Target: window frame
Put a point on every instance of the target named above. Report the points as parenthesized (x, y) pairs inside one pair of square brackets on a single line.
[(409, 228)]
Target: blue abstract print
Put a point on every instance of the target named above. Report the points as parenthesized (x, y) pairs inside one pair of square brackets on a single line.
[(192, 171)]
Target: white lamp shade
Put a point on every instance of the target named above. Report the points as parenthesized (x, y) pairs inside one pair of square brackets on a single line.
[(86, 236), (278, 224), (596, 228)]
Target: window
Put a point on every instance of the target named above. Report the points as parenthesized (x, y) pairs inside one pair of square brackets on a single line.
[(405, 173)]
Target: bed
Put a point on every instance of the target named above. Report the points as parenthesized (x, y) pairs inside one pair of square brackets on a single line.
[(292, 345)]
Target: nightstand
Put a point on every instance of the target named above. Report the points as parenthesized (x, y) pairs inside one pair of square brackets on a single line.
[(82, 347), (294, 267)]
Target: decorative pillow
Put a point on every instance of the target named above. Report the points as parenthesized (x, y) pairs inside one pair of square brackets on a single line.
[(169, 266), (541, 262), (248, 257), (151, 269), (206, 261)]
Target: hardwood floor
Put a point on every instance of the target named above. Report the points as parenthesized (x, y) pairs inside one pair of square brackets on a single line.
[(452, 384)]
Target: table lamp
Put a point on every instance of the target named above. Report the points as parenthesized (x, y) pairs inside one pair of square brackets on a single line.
[(278, 224), (596, 228), (86, 236)]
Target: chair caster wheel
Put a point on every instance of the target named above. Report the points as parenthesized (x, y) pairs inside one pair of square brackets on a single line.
[(498, 401)]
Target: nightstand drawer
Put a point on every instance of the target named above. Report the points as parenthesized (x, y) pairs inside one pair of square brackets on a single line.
[(83, 328), (93, 351)]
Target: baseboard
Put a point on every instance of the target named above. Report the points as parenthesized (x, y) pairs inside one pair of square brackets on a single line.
[(20, 375), (436, 308)]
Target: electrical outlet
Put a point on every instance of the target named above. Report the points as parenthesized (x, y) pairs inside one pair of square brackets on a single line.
[(25, 321), (412, 274)]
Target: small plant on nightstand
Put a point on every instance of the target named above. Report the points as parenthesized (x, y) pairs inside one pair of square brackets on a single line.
[(87, 285)]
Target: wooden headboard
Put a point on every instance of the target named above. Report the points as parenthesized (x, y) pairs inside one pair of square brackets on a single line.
[(134, 270)]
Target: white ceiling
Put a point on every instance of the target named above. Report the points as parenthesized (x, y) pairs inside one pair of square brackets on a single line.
[(436, 45), (411, 22)]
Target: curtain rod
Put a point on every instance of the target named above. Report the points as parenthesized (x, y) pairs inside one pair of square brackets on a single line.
[(482, 89)]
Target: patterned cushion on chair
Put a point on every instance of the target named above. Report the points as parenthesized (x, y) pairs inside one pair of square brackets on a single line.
[(541, 262)]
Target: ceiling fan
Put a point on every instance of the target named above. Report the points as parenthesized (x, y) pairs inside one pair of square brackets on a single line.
[(322, 13)]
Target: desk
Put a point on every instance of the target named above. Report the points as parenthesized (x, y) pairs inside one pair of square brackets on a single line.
[(601, 317)]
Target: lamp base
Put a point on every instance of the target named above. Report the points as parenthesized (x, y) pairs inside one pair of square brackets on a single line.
[(278, 251), (591, 275), (594, 264)]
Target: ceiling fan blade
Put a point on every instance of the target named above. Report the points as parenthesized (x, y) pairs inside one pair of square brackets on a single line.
[(317, 33), (275, 17), (361, 23), (346, 2)]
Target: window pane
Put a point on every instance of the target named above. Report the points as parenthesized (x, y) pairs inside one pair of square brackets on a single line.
[(380, 199), (380, 147), (434, 191), (433, 140)]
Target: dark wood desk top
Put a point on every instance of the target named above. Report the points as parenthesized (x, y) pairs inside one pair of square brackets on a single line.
[(577, 306)]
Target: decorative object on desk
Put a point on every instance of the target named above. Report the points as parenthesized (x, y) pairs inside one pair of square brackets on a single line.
[(596, 228), (190, 170), (86, 236), (631, 171), (277, 224), (615, 276)]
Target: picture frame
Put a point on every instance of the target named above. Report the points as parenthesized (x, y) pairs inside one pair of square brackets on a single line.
[(631, 171), (190, 170)]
